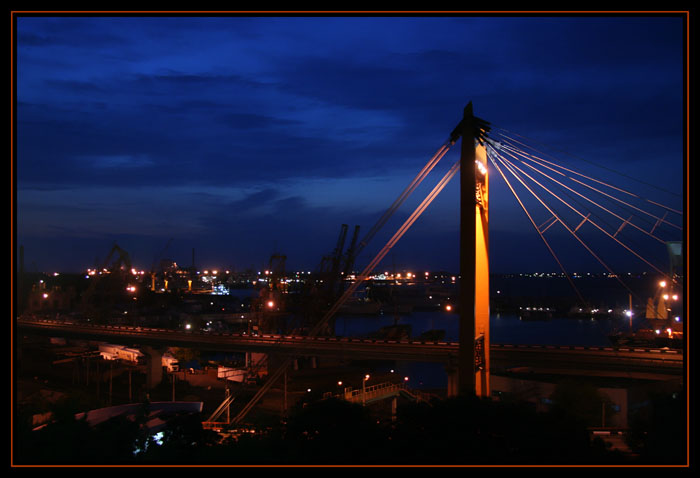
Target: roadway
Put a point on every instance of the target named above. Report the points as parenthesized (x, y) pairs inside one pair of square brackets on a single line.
[(546, 358)]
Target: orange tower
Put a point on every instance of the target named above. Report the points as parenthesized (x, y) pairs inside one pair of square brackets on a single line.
[(473, 358)]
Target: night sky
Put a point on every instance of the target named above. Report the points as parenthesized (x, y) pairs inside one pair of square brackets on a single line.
[(240, 137)]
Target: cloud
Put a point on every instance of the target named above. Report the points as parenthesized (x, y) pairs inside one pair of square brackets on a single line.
[(123, 161)]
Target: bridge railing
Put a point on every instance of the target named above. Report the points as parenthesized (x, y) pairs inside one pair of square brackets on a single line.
[(377, 392)]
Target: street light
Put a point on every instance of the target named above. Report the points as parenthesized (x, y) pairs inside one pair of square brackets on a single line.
[(364, 401)]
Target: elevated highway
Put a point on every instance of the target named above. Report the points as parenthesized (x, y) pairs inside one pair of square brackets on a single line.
[(620, 361)]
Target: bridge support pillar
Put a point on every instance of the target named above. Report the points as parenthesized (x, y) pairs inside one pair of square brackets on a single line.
[(452, 381), (154, 366)]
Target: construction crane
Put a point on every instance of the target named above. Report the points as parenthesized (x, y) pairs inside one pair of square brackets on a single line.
[(350, 255), (108, 285), (122, 263), (158, 266), (276, 269)]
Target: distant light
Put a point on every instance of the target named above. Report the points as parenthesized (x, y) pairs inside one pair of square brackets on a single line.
[(628, 313), (665, 296), (448, 307), (340, 383), (270, 304), (405, 379), (188, 326), (657, 331), (662, 283), (678, 319), (308, 389), (367, 377), (674, 296), (55, 274), (45, 296)]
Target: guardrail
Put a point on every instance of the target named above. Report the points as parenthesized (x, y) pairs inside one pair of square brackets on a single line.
[(323, 342), (378, 392)]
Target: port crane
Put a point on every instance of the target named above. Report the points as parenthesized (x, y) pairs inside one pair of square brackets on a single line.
[(108, 283)]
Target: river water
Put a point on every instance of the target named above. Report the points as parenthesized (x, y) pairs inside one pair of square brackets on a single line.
[(504, 329)]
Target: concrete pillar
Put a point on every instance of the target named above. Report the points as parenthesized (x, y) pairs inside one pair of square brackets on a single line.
[(452, 382), (154, 366), (474, 262)]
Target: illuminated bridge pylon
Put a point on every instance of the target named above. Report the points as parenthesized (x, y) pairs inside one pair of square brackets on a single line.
[(471, 375)]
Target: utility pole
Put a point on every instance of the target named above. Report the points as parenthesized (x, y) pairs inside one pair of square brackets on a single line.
[(110, 382)]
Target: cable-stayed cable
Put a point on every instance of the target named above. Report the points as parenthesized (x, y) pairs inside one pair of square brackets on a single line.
[(591, 222), (504, 162), (561, 266), (591, 201), (351, 289), (587, 161), (405, 194), (535, 158)]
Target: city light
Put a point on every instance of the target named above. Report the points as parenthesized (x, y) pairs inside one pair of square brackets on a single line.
[(270, 304)]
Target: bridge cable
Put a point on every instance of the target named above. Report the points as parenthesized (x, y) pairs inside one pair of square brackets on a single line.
[(500, 157), (405, 194), (524, 153), (358, 280), (422, 174), (590, 162), (586, 219), (621, 226), (591, 222), (507, 166), (589, 200), (561, 266)]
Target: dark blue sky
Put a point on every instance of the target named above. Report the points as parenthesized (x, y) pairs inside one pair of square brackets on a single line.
[(244, 136)]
